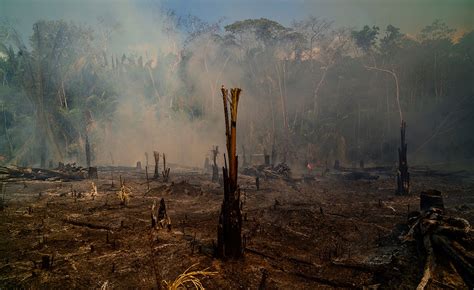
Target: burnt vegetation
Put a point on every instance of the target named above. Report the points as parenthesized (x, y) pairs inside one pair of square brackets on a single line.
[(355, 168)]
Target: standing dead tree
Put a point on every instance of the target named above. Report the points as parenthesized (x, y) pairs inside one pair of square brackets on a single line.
[(215, 169), (403, 176), (166, 170), (157, 160), (91, 171), (229, 237)]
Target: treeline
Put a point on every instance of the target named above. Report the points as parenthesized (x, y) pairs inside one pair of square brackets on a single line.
[(312, 92)]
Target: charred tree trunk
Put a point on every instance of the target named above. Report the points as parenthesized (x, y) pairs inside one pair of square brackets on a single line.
[(157, 160), (229, 237), (403, 176), (91, 171), (88, 152), (166, 170)]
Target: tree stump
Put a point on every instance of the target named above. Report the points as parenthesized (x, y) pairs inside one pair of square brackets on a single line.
[(88, 152), (157, 160), (166, 171), (431, 199)]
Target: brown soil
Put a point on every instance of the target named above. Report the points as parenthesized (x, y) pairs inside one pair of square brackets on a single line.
[(326, 233)]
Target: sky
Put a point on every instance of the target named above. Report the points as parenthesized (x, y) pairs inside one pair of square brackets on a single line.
[(139, 15)]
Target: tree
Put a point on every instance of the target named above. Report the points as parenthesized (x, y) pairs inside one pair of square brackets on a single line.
[(366, 38)]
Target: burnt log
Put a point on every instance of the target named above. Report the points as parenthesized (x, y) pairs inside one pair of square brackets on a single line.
[(441, 237)]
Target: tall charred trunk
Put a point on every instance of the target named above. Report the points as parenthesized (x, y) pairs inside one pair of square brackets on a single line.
[(156, 155), (229, 237), (403, 176)]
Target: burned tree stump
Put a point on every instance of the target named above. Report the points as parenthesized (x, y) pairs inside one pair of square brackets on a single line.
[(166, 171), (229, 237), (403, 176), (431, 199), (161, 218), (162, 210), (139, 166), (147, 179), (46, 262), (157, 160), (88, 152), (92, 173), (215, 169)]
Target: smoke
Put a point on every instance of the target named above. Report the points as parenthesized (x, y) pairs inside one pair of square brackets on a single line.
[(163, 123), (165, 72)]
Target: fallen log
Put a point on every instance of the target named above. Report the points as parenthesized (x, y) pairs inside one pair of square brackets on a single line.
[(441, 236), (463, 267), (12, 172), (86, 224)]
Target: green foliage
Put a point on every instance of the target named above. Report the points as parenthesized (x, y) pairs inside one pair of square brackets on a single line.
[(366, 38), (265, 30), (302, 83)]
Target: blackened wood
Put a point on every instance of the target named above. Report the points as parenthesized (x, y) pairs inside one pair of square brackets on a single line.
[(403, 176), (229, 238), (156, 155), (88, 152)]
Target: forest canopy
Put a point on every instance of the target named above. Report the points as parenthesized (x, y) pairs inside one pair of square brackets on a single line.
[(313, 91)]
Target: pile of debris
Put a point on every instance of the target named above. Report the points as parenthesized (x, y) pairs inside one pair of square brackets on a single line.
[(442, 237), (63, 172), (281, 170)]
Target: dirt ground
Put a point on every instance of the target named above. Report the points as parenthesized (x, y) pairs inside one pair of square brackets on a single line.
[(322, 233)]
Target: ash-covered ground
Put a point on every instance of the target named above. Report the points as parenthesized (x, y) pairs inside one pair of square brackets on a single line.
[(299, 233)]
